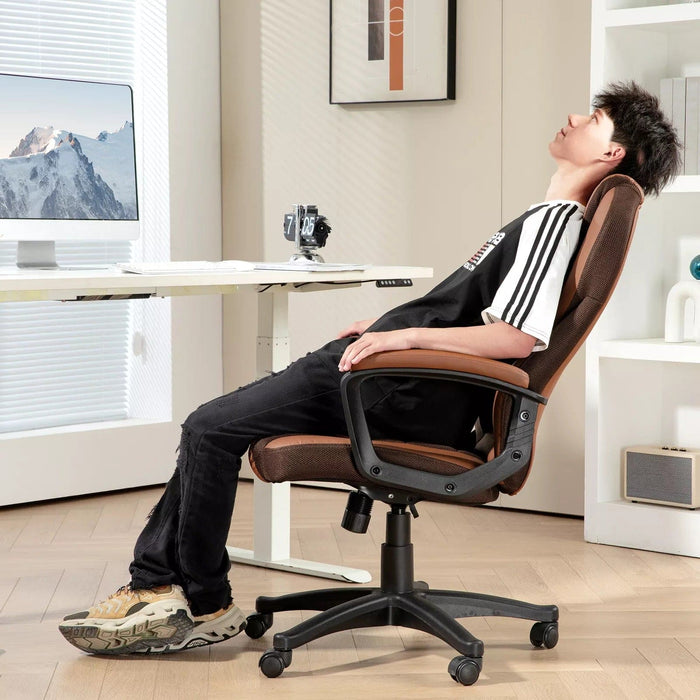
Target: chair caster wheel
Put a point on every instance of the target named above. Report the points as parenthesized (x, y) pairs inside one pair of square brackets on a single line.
[(544, 634), (465, 670), (257, 624), (272, 663)]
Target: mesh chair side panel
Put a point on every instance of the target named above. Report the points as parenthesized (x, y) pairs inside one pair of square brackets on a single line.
[(310, 462), (604, 264), (566, 339)]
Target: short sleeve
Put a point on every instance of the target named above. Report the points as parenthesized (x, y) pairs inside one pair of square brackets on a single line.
[(528, 296)]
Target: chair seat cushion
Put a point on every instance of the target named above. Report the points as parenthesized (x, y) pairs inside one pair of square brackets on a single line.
[(324, 458)]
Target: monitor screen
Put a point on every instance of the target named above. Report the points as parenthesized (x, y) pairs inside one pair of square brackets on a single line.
[(67, 160)]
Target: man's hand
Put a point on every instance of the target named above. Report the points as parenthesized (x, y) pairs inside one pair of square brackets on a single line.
[(371, 343), (357, 328)]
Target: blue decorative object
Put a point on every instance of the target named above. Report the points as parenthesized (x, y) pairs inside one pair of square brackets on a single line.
[(695, 267)]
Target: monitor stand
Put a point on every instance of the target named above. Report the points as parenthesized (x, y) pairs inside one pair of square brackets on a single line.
[(41, 255), (37, 255)]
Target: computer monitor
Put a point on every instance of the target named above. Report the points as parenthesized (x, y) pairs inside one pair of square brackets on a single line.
[(67, 164)]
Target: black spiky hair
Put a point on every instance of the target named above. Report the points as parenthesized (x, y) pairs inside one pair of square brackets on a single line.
[(652, 147)]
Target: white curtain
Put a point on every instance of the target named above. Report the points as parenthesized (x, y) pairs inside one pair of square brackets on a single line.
[(72, 363)]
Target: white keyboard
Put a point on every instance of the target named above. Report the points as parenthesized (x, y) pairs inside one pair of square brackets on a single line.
[(193, 266)]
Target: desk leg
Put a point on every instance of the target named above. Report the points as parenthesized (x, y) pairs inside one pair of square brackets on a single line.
[(271, 501)]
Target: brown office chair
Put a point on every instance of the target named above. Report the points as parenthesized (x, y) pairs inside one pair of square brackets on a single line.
[(401, 474)]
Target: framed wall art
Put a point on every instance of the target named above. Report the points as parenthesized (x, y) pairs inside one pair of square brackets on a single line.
[(392, 50)]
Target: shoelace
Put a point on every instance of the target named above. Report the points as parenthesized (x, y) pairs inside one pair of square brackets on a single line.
[(121, 590)]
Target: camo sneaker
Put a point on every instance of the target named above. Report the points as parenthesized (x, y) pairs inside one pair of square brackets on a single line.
[(131, 620), (208, 629)]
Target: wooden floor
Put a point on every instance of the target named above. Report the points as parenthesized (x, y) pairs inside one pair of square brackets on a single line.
[(629, 625)]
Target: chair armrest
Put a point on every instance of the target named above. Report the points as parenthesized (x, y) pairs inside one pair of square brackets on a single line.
[(457, 367), (442, 359)]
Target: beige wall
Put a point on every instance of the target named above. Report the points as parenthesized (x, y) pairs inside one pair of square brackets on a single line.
[(194, 102), (419, 184), (241, 174)]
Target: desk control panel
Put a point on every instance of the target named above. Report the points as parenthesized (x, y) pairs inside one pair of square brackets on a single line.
[(395, 283)]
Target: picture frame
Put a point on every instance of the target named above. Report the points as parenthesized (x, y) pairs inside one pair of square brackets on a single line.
[(392, 51)]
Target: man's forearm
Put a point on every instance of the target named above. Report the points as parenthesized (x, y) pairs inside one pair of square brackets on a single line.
[(495, 340)]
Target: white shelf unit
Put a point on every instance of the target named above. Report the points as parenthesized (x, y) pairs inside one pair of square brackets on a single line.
[(641, 390), (685, 183), (651, 350)]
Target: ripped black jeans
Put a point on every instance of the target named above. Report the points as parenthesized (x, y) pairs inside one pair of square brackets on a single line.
[(184, 541)]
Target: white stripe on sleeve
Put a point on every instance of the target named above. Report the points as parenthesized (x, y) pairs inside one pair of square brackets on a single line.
[(529, 294)]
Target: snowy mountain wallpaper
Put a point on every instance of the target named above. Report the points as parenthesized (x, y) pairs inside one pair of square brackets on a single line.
[(64, 154)]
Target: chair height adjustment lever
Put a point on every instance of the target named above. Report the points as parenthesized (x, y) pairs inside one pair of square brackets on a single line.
[(412, 508), (357, 512)]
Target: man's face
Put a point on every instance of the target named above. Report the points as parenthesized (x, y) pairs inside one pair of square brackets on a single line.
[(585, 139)]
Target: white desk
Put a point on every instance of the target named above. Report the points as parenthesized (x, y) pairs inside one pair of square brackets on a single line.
[(271, 501)]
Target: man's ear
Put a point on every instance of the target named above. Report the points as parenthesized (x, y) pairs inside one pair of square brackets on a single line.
[(614, 154)]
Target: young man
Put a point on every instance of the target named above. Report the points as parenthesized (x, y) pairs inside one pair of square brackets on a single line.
[(499, 304)]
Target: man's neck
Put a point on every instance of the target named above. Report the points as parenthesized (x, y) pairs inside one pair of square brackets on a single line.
[(574, 184)]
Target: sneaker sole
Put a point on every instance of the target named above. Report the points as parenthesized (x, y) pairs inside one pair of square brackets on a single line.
[(204, 634), (159, 623)]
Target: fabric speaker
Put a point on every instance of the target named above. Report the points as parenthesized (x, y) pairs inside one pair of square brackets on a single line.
[(664, 475)]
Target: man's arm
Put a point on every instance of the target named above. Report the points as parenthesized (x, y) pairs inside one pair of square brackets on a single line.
[(497, 341)]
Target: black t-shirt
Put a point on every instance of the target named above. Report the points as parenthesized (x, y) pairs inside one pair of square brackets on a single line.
[(516, 277)]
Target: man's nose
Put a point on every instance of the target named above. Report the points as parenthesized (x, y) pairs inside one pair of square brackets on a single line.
[(574, 119)]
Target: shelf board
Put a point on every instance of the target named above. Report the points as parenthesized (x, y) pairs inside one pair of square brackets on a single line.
[(650, 349), (639, 507), (661, 16), (644, 526), (684, 183)]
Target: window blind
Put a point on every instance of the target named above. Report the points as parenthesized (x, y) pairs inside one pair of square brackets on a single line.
[(70, 363)]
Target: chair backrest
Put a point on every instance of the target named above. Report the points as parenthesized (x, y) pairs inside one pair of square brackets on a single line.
[(609, 221)]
